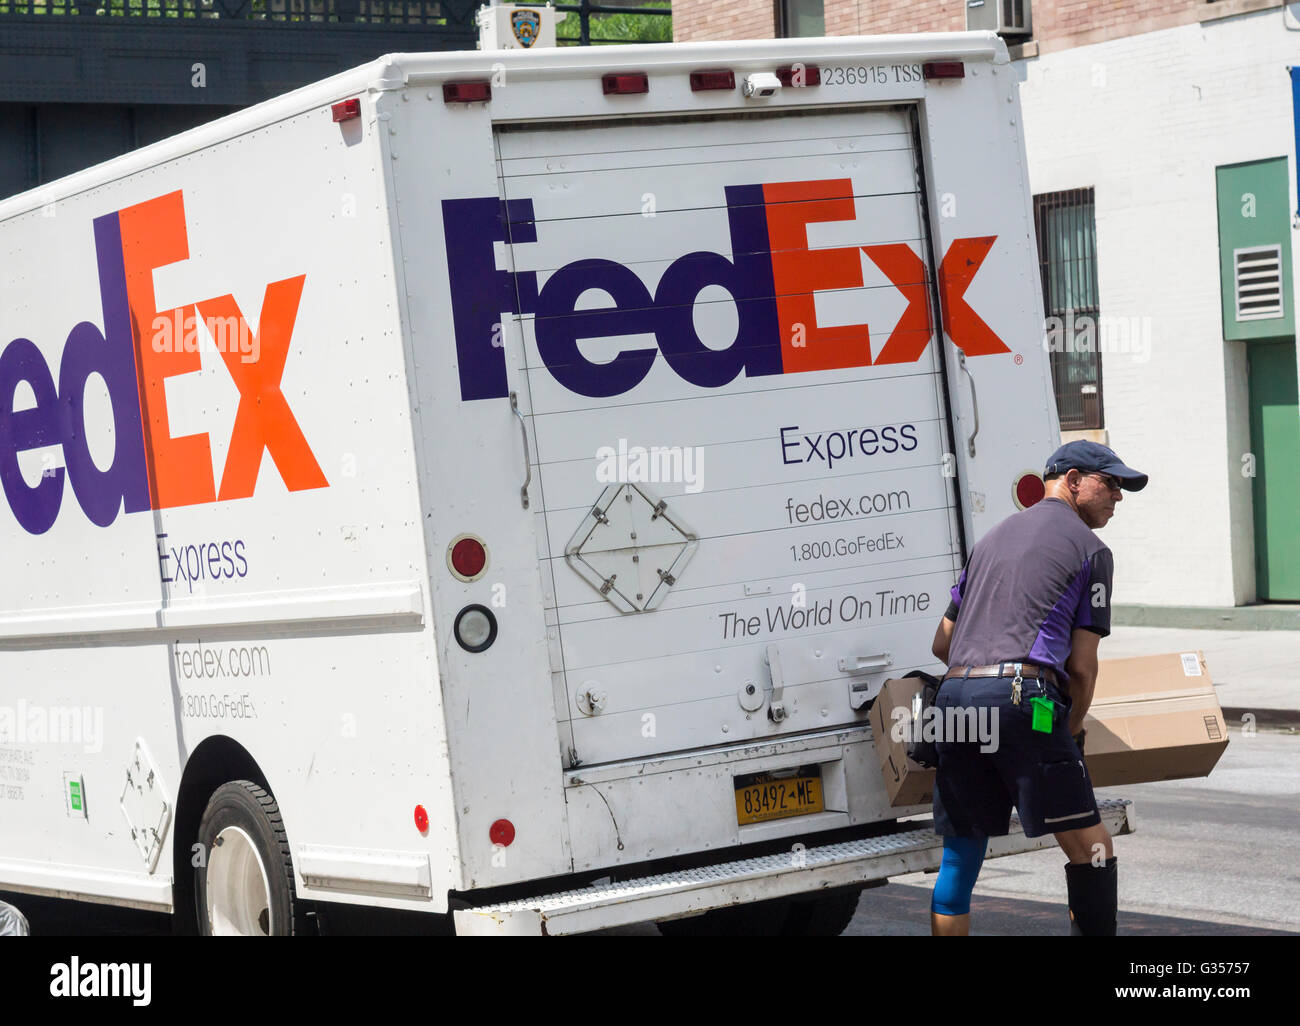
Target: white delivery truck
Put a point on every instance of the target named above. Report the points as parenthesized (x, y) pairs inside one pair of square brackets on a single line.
[(499, 483)]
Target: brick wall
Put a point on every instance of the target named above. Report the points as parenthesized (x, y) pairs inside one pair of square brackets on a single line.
[(695, 20), (1058, 24), (855, 18)]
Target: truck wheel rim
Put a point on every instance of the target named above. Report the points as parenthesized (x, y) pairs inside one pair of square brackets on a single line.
[(239, 896)]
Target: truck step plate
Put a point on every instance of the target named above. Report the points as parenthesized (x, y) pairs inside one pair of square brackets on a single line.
[(691, 891)]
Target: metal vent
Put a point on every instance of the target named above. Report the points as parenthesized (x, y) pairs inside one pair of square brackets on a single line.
[(1009, 17), (1257, 282)]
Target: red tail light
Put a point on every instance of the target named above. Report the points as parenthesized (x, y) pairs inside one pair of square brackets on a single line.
[(347, 110), (466, 92), (502, 832), (944, 69), (421, 819), (622, 84), (467, 557), (702, 81), (1029, 489), (798, 75)]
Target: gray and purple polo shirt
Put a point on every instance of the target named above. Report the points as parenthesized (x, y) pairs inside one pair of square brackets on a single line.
[(1032, 580)]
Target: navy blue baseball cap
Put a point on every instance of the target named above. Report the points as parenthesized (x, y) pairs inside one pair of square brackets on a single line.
[(1095, 458)]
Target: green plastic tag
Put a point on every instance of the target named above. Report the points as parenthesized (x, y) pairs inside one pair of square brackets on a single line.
[(1042, 714)]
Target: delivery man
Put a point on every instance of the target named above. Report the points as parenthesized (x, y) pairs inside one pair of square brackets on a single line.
[(1020, 641)]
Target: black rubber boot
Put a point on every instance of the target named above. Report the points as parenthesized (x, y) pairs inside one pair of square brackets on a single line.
[(1094, 898)]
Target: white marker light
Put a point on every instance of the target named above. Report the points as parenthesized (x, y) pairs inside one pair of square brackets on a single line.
[(762, 84), (475, 628)]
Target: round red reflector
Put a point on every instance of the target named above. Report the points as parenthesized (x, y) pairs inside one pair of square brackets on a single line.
[(468, 557), (421, 819), (502, 832), (1029, 490)]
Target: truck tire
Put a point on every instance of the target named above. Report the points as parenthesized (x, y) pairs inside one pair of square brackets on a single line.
[(245, 886), (820, 915), (828, 915)]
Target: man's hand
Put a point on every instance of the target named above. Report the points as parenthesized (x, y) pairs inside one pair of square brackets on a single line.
[(1078, 739)]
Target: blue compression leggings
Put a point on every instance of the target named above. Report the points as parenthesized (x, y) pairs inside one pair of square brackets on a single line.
[(962, 859)]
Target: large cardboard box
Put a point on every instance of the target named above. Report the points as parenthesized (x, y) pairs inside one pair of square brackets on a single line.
[(906, 782), (1153, 718)]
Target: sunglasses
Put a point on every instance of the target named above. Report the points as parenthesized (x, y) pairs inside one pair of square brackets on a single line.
[(1109, 480)]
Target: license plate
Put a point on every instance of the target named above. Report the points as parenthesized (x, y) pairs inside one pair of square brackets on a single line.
[(763, 800)]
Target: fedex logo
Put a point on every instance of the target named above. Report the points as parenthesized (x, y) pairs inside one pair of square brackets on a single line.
[(771, 276), (149, 468)]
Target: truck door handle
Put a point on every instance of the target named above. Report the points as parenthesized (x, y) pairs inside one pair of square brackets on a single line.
[(866, 663), (974, 403), (528, 463), (776, 711)]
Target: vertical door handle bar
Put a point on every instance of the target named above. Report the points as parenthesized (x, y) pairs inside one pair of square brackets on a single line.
[(974, 403), (528, 463)]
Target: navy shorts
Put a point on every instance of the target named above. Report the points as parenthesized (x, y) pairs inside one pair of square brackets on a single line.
[(990, 759)]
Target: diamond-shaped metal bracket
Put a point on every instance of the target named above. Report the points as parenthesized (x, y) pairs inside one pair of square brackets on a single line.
[(146, 805), (631, 548)]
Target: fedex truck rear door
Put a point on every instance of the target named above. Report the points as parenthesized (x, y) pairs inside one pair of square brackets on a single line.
[(731, 369)]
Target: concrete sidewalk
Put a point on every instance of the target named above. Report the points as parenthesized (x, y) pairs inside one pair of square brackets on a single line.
[(1254, 671)]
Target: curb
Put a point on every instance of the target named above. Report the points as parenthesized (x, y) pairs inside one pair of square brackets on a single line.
[(1275, 719), (1229, 618)]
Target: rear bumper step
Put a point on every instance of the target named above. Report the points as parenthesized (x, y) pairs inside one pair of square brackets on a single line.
[(689, 892)]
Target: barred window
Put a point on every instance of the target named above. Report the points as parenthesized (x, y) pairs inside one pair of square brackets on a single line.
[(1067, 259)]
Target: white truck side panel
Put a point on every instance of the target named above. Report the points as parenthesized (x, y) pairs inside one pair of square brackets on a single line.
[(308, 642)]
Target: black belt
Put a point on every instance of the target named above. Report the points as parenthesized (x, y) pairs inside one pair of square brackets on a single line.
[(1029, 671)]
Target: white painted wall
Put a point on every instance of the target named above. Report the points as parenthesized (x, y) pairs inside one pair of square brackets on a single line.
[(1145, 120)]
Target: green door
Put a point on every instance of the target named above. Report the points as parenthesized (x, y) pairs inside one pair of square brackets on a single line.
[(1275, 441)]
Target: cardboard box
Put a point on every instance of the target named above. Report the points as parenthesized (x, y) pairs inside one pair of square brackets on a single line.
[(1153, 718), (906, 782)]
